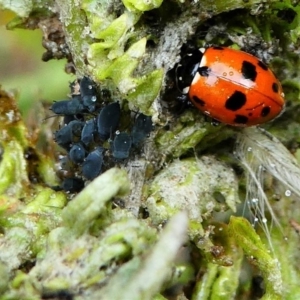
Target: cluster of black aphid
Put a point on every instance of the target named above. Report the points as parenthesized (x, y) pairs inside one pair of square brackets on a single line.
[(89, 133)]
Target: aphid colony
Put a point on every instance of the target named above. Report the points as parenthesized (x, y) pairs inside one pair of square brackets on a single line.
[(89, 133)]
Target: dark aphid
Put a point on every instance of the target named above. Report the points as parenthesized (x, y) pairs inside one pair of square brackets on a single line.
[(92, 165), (76, 127), (121, 145), (141, 129), (77, 153), (63, 136), (88, 131), (72, 184), (60, 107), (88, 93), (68, 107), (69, 133), (108, 120)]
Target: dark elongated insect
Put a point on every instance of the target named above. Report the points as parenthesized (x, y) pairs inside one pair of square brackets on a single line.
[(92, 165), (77, 153), (69, 133), (88, 131), (108, 120), (141, 129), (88, 93), (73, 106)]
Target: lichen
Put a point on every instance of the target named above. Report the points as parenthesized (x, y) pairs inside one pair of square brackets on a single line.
[(251, 243), (190, 185)]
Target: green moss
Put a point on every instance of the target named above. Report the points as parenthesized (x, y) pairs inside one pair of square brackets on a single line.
[(143, 278), (184, 135), (29, 211), (139, 91), (285, 250), (136, 5), (110, 60), (4, 277), (24, 8), (90, 202), (258, 253)]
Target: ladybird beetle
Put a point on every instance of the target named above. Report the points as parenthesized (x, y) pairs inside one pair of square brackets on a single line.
[(230, 86)]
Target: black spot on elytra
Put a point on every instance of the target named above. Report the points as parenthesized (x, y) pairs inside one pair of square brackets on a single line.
[(218, 48), (262, 65), (240, 119), (249, 70), (198, 101), (236, 101), (204, 71), (275, 87), (265, 111)]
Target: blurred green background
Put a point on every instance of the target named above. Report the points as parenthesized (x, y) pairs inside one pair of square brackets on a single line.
[(23, 71)]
